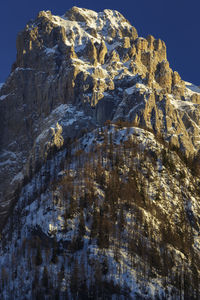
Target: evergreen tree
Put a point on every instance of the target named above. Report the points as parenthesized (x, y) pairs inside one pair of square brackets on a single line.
[(81, 227), (45, 277), (54, 258), (61, 274), (74, 279), (38, 258)]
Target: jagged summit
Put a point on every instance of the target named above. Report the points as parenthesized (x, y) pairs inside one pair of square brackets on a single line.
[(99, 143), (77, 29), (80, 70), (72, 73), (98, 20)]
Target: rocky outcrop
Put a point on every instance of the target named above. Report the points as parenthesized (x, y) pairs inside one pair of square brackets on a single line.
[(164, 76), (102, 53)]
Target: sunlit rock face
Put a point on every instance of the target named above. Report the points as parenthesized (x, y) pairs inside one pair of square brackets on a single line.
[(72, 73)]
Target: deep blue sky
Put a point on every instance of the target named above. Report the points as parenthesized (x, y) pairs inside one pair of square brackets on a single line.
[(177, 22)]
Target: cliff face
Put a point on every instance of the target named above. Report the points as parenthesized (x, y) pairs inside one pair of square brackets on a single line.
[(73, 73), (97, 63)]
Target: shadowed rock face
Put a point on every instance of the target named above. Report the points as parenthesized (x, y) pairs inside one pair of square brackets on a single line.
[(75, 72)]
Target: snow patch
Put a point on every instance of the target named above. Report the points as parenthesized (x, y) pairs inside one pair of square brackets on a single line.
[(3, 97), (137, 87), (18, 177), (7, 162), (193, 88), (180, 104), (50, 51)]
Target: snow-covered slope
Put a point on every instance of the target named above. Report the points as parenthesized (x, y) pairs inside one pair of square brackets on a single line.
[(147, 217), (193, 88)]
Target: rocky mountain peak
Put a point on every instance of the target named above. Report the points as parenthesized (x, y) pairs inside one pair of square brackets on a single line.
[(79, 70), (99, 143), (82, 36), (70, 33)]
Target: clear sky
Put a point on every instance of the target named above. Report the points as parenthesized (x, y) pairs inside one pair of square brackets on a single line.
[(177, 22)]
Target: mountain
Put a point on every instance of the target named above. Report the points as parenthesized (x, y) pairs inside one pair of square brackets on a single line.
[(99, 165)]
